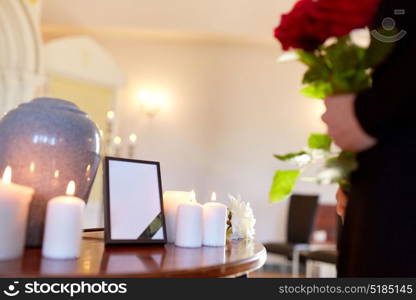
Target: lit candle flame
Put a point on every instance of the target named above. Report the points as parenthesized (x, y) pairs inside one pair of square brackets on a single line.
[(7, 175), (70, 190), (192, 196), (56, 174), (214, 197)]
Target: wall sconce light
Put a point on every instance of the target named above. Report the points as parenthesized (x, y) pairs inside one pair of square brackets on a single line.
[(151, 101)]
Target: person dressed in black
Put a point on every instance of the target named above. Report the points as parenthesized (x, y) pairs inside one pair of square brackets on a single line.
[(379, 124)]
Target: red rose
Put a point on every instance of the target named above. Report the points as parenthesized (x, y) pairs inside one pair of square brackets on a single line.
[(311, 22), (293, 31)]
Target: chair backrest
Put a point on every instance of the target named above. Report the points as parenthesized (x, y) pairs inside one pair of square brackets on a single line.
[(302, 210), (325, 221)]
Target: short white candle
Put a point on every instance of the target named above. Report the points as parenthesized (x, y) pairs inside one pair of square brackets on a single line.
[(14, 207), (63, 228), (214, 223), (171, 202), (189, 224)]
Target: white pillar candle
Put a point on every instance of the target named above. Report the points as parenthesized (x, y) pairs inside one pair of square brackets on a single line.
[(63, 228), (214, 223), (14, 207), (171, 202), (189, 224)]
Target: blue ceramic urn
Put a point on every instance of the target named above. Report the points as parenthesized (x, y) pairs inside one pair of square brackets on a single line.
[(47, 143)]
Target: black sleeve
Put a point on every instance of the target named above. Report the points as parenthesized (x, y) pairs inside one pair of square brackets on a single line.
[(390, 104)]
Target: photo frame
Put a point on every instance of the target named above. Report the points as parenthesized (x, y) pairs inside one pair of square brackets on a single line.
[(133, 208)]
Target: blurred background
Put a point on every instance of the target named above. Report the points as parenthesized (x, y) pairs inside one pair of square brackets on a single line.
[(192, 84)]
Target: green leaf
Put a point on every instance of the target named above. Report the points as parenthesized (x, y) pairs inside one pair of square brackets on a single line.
[(351, 81), (342, 81), (308, 58), (317, 90), (289, 156), (344, 57), (347, 70), (345, 161), (316, 73), (283, 184), (346, 155), (360, 81), (319, 141), (341, 67)]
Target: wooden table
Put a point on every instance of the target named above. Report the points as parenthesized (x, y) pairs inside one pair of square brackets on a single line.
[(236, 259)]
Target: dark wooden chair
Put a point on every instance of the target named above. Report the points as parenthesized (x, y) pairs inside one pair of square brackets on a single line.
[(323, 256), (302, 210)]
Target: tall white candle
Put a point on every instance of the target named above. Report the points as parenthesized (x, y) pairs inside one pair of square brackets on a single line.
[(63, 228), (171, 202), (14, 207), (214, 223), (189, 224)]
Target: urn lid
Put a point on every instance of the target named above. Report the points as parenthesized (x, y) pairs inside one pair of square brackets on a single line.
[(52, 103)]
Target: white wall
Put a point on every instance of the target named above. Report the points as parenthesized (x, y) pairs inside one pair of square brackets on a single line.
[(232, 17)]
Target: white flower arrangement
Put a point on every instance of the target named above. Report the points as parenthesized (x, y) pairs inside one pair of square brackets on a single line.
[(241, 219)]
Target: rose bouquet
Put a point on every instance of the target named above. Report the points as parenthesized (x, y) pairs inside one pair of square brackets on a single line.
[(320, 34)]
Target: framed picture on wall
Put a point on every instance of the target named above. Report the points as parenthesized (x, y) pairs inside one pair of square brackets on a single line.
[(133, 209)]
